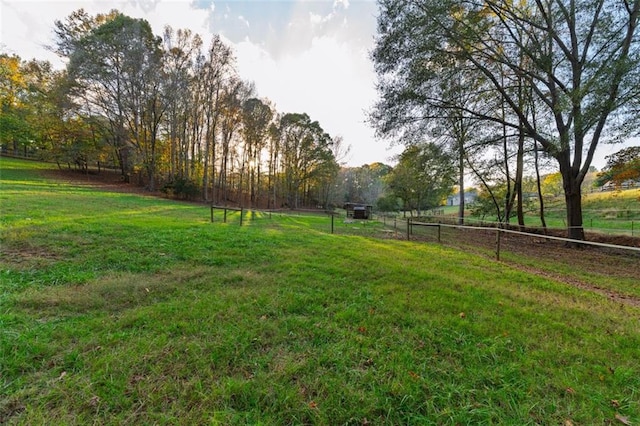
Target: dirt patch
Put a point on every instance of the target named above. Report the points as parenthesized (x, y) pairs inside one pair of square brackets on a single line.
[(27, 257), (107, 180), (610, 294)]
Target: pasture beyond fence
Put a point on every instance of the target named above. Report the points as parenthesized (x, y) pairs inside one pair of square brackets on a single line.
[(407, 226)]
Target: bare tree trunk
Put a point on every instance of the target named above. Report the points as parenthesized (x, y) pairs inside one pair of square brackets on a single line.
[(539, 187), (518, 183), (461, 181), (573, 197)]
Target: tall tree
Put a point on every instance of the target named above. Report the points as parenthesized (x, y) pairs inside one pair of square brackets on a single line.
[(114, 66), (256, 119), (220, 93), (233, 161), (305, 148), (15, 127), (182, 53)]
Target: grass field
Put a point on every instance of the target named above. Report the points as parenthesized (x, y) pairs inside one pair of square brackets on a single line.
[(122, 309)]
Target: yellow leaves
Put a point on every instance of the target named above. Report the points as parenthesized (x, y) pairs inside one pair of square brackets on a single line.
[(12, 79), (457, 12)]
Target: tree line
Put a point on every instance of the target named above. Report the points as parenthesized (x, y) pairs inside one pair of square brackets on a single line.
[(498, 91), (168, 111)]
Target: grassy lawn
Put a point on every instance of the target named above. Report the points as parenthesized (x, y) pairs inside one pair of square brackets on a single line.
[(122, 309)]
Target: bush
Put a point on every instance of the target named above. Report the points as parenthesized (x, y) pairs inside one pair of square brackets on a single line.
[(185, 189)]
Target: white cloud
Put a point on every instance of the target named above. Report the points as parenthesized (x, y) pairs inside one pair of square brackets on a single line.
[(176, 13), (342, 3), (331, 81), (25, 33), (244, 21), (27, 26), (315, 19)]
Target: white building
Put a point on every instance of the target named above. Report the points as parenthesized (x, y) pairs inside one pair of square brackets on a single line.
[(469, 197)]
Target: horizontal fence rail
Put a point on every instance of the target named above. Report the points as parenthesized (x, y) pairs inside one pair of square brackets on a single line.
[(226, 209), (500, 231), (631, 230)]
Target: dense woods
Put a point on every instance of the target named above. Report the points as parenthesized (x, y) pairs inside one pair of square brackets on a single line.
[(170, 112)]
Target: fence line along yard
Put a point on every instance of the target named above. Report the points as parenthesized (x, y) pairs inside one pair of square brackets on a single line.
[(254, 213), (631, 229), (409, 224), (226, 209), (500, 231)]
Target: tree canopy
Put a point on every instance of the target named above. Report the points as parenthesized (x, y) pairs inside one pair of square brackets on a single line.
[(423, 177), (562, 74), (623, 166)]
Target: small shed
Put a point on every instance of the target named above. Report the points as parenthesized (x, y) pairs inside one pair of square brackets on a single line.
[(358, 210)]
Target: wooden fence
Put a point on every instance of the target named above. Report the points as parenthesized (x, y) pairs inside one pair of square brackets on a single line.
[(501, 231)]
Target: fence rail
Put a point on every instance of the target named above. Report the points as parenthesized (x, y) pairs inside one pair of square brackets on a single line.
[(632, 228), (500, 231), (226, 209)]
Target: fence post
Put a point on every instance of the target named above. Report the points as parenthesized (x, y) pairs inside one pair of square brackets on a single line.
[(211, 214), (241, 211), (632, 228), (498, 243), (332, 223), (408, 228), (439, 227), (225, 215)]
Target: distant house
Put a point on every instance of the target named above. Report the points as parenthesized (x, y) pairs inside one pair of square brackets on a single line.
[(469, 197), (627, 184)]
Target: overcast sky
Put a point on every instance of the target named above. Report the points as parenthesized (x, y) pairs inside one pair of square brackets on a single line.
[(305, 56)]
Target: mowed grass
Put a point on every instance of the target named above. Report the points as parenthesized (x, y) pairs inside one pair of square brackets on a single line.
[(122, 309)]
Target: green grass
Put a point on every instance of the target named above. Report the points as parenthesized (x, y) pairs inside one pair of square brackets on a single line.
[(121, 309)]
